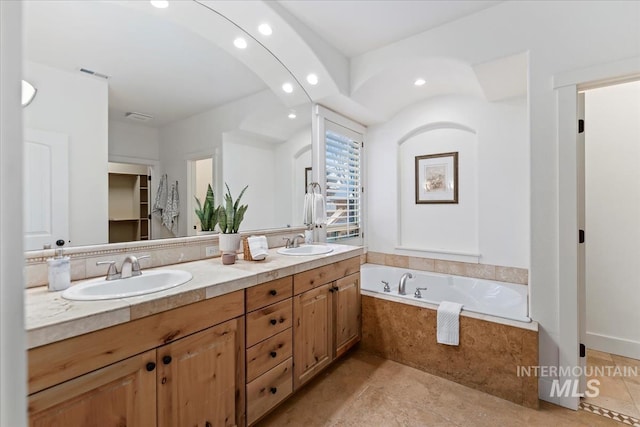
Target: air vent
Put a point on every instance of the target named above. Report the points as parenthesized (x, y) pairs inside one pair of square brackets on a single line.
[(94, 73), (138, 117)]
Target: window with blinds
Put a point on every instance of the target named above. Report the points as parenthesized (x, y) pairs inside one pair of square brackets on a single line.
[(343, 182)]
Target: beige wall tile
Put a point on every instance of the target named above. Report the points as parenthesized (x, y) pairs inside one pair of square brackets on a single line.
[(396, 260), (36, 274), (423, 264), (512, 275), (375, 258)]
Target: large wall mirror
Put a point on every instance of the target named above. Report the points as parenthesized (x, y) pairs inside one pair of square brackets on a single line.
[(128, 91)]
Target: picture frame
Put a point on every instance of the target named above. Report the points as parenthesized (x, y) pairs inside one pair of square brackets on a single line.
[(436, 178)]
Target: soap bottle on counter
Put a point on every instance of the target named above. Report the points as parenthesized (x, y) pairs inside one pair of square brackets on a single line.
[(59, 269)]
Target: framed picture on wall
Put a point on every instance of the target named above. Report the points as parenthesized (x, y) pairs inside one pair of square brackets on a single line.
[(437, 178)]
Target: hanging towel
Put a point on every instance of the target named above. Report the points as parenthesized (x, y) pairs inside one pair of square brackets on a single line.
[(449, 323), (160, 202), (307, 211), (172, 208), (319, 211)]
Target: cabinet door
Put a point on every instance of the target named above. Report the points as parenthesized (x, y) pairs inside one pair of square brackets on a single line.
[(122, 394), (201, 378), (312, 333), (347, 312)]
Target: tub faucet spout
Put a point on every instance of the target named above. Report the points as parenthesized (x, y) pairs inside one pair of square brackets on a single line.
[(403, 283)]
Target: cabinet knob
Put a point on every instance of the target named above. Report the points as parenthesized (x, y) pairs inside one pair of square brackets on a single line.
[(166, 360), (207, 424), (151, 366), (273, 354), (273, 390), (273, 321), (273, 292), (335, 288)]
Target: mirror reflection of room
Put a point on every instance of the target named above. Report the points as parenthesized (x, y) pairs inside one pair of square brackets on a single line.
[(162, 98)]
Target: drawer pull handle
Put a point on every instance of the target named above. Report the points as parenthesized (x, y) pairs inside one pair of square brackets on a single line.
[(273, 321), (273, 390), (273, 292), (273, 354), (151, 366), (166, 360), (208, 424)]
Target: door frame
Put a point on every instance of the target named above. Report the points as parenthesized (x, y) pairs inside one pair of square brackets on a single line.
[(566, 86)]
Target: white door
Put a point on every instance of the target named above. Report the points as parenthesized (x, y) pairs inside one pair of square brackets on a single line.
[(46, 188), (582, 305)]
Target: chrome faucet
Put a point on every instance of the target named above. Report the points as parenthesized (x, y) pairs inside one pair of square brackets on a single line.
[(131, 266), (294, 240), (403, 282), (112, 273)]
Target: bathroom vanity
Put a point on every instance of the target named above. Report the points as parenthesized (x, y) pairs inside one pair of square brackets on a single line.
[(224, 360)]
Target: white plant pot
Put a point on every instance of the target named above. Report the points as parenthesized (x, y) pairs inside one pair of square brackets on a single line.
[(229, 243)]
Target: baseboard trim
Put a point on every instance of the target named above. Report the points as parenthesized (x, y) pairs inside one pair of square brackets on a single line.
[(615, 345)]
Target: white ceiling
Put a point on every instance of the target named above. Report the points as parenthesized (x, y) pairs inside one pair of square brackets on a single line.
[(156, 66), (358, 26)]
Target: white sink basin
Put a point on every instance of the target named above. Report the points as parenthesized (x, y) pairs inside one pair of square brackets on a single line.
[(146, 283), (306, 250)]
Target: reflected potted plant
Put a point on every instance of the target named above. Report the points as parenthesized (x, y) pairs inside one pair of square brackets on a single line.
[(207, 213), (230, 216)]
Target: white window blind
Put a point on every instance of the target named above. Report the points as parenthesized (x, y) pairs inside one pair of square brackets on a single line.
[(343, 182)]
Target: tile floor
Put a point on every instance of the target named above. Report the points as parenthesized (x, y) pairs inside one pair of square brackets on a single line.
[(365, 390), (617, 393)]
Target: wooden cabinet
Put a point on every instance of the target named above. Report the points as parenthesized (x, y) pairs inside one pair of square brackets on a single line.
[(327, 319), (120, 394), (199, 376), (312, 333), (269, 346), (347, 313), (196, 379)]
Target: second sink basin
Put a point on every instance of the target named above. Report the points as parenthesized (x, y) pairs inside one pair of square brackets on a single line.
[(146, 283), (306, 250)]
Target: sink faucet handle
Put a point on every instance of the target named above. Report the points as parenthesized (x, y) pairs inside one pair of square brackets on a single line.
[(386, 286), (113, 272), (135, 265), (287, 243)]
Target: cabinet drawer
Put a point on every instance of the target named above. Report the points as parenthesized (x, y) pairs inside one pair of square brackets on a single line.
[(319, 276), (269, 293), (267, 354), (268, 390), (268, 321)]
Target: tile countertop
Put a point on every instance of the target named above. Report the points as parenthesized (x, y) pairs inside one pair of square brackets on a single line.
[(50, 318)]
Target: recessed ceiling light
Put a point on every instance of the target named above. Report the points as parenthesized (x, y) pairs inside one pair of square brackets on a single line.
[(265, 29), (292, 115), (160, 4), (419, 82), (312, 79), (287, 87), (240, 43)]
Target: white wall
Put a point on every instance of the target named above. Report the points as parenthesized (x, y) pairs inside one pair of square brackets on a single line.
[(132, 140), (559, 36), (13, 358), (612, 134), (257, 170), (492, 216), (76, 105), (292, 157)]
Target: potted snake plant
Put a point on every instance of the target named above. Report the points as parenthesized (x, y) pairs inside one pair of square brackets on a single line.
[(230, 216), (207, 213)]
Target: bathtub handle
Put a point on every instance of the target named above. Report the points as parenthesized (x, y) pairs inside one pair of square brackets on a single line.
[(386, 286), (417, 294)]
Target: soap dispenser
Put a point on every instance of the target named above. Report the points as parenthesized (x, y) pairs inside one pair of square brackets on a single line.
[(59, 269)]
